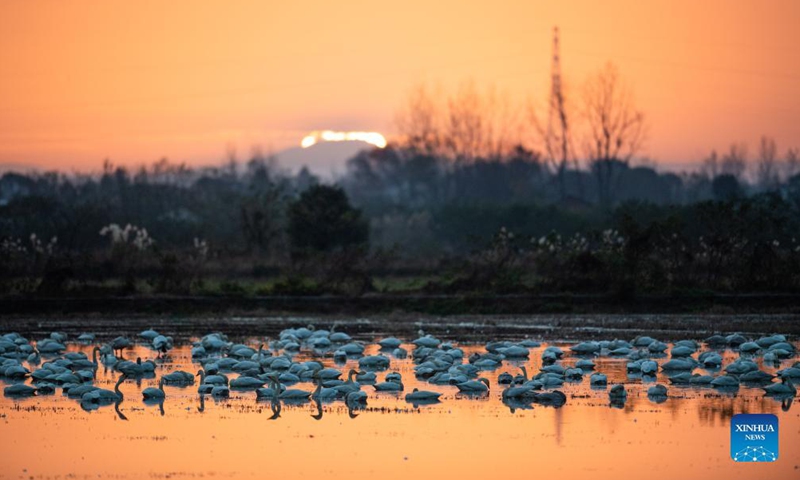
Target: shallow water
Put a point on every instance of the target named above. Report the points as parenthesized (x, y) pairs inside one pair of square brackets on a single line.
[(685, 437)]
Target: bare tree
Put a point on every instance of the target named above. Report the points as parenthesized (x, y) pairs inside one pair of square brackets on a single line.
[(710, 166), (734, 162), (463, 127), (792, 163), (616, 129), (419, 122), (767, 173)]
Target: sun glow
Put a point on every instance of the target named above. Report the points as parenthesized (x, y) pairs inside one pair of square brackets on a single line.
[(373, 138)]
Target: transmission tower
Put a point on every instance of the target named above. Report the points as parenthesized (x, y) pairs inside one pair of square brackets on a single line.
[(557, 125)]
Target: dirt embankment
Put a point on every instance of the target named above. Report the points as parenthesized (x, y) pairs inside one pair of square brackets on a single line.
[(464, 328)]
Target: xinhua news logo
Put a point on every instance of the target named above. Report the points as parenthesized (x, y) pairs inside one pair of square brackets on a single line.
[(754, 437)]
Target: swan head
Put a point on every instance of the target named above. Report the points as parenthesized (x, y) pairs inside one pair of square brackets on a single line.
[(200, 373), (485, 381)]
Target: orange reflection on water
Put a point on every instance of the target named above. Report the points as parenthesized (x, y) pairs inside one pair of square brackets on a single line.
[(686, 437)]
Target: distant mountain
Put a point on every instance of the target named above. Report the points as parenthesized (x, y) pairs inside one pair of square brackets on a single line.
[(324, 159)]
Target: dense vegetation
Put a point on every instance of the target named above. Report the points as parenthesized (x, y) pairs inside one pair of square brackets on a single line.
[(398, 220)]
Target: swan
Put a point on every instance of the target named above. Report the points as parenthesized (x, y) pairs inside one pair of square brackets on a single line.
[(288, 394), (617, 392), (389, 387), (102, 395), (657, 391), (756, 376), (34, 358), (725, 381), (374, 361), (784, 388), (147, 366), (178, 377), (356, 398), (505, 378), (550, 380), (584, 364), (711, 359), (598, 379), (208, 387), (480, 385), (394, 377), (681, 352), (422, 396), (50, 347), (79, 391), (701, 380), (294, 394), (749, 347), (151, 393), (130, 368), (427, 341), (45, 388), (329, 373), (211, 379), (149, 334), (649, 367), (321, 393), (516, 392), (679, 364), (120, 343), (338, 337), (586, 348), (86, 337), (366, 377), (390, 343), (220, 391), (17, 372), (19, 390), (555, 398), (350, 385), (247, 383)]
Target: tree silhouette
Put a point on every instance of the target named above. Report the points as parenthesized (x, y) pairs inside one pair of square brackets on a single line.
[(323, 220)]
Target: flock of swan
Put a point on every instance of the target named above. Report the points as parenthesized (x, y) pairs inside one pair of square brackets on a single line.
[(271, 371)]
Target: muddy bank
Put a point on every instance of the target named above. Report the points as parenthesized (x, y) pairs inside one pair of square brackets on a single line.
[(464, 328), (422, 304)]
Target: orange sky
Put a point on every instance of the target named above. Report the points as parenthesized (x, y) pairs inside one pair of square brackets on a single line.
[(135, 81)]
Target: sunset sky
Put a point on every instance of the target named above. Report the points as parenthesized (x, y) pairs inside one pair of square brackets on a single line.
[(136, 81)]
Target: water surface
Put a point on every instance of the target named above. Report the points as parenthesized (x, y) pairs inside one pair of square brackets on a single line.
[(685, 437)]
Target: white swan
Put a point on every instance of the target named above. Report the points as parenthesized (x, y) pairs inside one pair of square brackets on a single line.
[(19, 390), (480, 385), (422, 396), (102, 395), (151, 393), (784, 388), (657, 391)]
